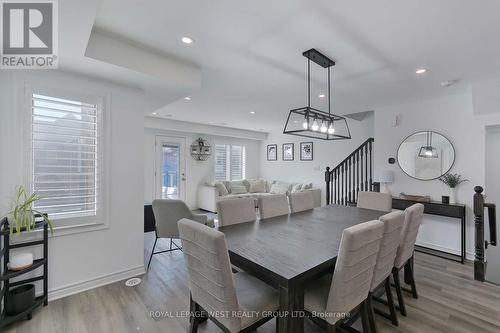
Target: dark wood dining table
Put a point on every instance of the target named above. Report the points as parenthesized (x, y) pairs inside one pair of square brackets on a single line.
[(289, 251)]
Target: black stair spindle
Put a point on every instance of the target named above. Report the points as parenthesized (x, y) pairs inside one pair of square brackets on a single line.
[(371, 166)]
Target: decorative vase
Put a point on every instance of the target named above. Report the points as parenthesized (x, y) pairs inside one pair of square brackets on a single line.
[(20, 299), (452, 195)]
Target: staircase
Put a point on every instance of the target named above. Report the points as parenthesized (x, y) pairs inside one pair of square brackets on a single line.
[(353, 174)]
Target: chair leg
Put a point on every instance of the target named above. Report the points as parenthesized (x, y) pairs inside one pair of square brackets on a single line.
[(395, 275), (171, 244), (390, 301), (412, 280), (152, 252), (331, 329), (364, 317), (194, 315), (371, 314)]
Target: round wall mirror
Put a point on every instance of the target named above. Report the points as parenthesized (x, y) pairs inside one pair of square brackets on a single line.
[(426, 155)]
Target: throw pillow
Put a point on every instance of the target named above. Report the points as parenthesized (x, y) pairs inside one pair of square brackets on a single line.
[(221, 188), (307, 186), (238, 189), (296, 188), (279, 188), (257, 186)]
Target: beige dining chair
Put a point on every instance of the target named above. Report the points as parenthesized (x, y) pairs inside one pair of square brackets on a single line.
[(301, 201), (241, 299), (393, 224), (273, 205), (234, 211), (167, 213), (375, 201), (333, 298), (404, 255)]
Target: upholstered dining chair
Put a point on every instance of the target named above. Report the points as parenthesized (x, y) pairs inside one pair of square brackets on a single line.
[(167, 213), (393, 224), (404, 255), (375, 201), (301, 201), (241, 298), (273, 205), (234, 211), (332, 297)]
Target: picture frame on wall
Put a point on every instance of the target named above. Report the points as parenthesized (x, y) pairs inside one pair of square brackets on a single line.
[(272, 152), (306, 151), (287, 152)]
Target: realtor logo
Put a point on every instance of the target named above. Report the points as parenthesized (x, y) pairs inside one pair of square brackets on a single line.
[(29, 34)]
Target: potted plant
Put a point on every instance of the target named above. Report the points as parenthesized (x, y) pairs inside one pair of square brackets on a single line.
[(23, 218), (452, 180)]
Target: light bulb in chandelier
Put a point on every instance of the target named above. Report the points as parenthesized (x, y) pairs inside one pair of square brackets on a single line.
[(305, 124), (315, 125), (331, 130), (323, 127)]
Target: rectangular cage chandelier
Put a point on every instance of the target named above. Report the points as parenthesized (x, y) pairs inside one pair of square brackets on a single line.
[(313, 123)]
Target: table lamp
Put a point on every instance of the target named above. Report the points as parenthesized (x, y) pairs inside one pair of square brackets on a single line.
[(386, 177)]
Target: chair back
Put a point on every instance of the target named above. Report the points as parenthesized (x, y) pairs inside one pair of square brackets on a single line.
[(393, 224), (209, 271), (413, 219), (356, 261), (167, 213), (234, 211), (273, 205), (375, 201), (301, 201)]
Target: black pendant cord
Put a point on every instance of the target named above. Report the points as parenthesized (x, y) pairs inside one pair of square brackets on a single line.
[(308, 82), (329, 112)]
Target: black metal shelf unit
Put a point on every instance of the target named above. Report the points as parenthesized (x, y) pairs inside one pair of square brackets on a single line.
[(6, 274)]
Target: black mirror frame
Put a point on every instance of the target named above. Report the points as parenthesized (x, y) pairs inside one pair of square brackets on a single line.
[(423, 131)]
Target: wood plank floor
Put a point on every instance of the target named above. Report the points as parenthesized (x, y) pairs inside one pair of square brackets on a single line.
[(449, 301)]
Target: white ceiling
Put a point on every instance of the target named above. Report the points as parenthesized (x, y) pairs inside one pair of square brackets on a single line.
[(250, 52)]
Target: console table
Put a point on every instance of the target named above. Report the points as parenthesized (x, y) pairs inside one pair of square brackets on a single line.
[(440, 209)]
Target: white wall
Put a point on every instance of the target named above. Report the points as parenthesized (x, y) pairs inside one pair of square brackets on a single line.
[(453, 117), (325, 153), (84, 260), (197, 172)]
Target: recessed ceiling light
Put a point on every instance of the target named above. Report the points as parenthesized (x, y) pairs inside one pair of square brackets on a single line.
[(187, 40), (252, 112), (321, 95), (187, 98), (154, 113), (421, 71)]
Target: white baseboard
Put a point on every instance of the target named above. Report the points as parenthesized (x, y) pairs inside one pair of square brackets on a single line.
[(78, 287), (468, 255)]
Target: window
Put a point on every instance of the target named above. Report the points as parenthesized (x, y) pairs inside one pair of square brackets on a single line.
[(64, 160), (230, 162)]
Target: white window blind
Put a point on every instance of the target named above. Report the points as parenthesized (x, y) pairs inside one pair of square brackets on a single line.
[(230, 162), (65, 156)]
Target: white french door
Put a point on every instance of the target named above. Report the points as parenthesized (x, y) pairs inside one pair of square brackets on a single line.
[(170, 168)]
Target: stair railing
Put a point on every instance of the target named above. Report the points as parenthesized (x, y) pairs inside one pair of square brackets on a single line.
[(481, 245), (353, 174)]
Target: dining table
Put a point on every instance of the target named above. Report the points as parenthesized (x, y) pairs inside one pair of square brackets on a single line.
[(290, 251)]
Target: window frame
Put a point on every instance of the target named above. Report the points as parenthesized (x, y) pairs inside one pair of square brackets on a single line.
[(64, 225), (229, 153)]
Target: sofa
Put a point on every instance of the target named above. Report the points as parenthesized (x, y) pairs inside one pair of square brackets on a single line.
[(210, 193)]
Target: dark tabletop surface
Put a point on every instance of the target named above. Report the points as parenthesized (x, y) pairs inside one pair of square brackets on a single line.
[(290, 246)]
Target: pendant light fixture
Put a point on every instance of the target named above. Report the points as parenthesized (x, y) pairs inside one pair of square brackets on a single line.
[(313, 123), (428, 151)]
